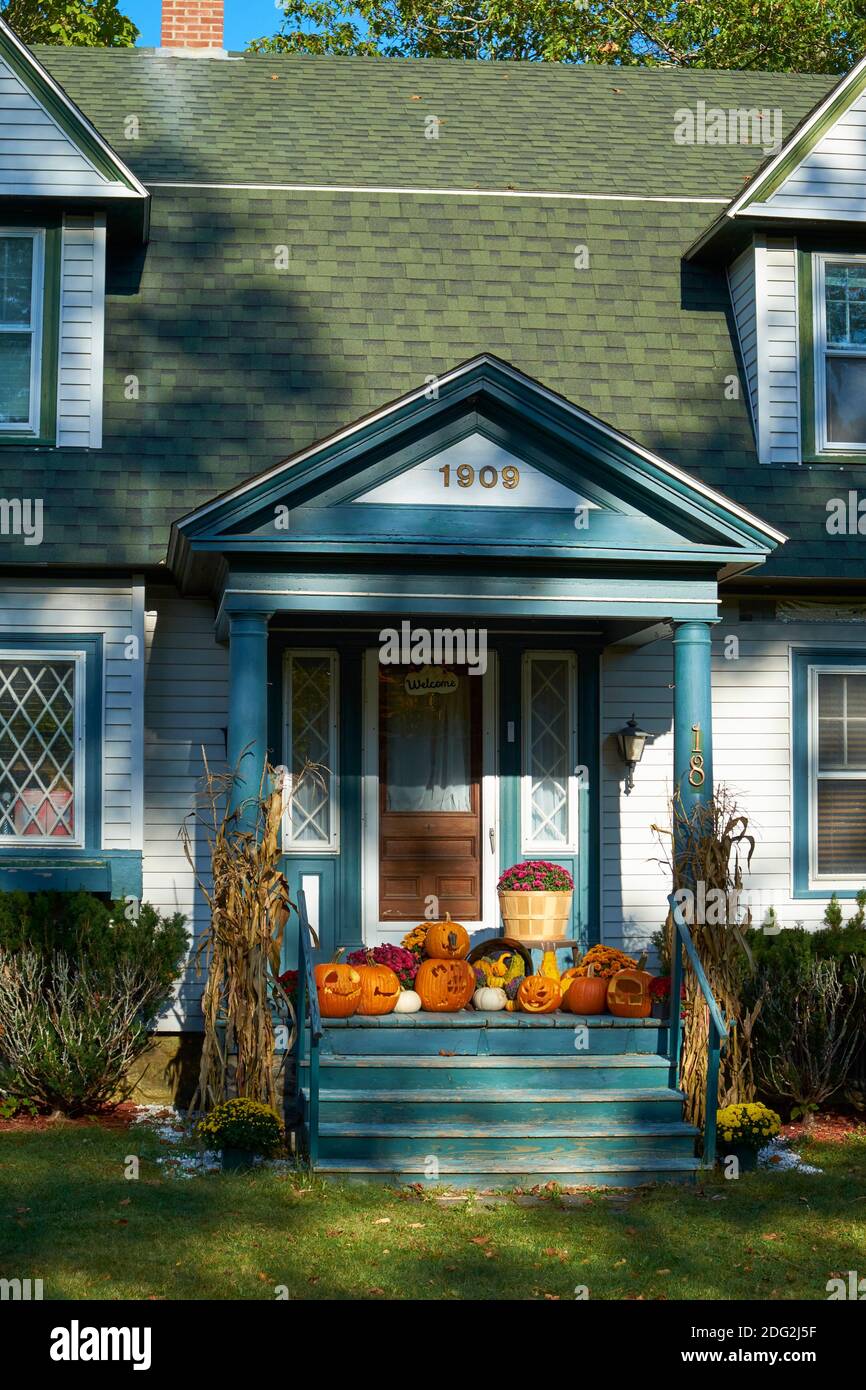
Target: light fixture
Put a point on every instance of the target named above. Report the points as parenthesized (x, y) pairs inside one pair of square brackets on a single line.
[(631, 742)]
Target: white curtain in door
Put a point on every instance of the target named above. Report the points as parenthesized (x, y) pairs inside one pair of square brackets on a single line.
[(428, 754)]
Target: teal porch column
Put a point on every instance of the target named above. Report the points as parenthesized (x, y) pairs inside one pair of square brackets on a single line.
[(693, 713), (248, 702)]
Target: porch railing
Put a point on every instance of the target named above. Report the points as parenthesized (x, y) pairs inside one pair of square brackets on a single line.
[(718, 1026), (308, 1001)]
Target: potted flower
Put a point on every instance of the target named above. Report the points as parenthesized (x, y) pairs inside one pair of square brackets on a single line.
[(744, 1129), (404, 963), (660, 994), (535, 901), (241, 1128)]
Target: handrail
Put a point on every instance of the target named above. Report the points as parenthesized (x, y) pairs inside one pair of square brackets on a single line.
[(308, 999), (718, 1030)]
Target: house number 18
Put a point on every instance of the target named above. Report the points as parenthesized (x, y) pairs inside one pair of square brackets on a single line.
[(509, 476), (696, 761)]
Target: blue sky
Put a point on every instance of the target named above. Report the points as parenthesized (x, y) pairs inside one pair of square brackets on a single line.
[(245, 20)]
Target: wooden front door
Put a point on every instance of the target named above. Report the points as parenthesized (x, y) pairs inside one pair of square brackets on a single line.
[(430, 726)]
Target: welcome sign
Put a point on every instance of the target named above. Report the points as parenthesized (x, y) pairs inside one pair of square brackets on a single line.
[(431, 680)]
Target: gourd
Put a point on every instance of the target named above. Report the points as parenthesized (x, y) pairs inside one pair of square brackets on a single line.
[(338, 987), (628, 993), (538, 994), (587, 994), (447, 940), (445, 986), (380, 989), (489, 999), (408, 1002)]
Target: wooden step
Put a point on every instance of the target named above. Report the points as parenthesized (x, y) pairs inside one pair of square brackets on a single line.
[(483, 1041), (503, 1174), (491, 1105), (462, 1072), (402, 1143)]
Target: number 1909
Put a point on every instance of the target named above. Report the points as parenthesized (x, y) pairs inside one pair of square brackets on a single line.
[(466, 476)]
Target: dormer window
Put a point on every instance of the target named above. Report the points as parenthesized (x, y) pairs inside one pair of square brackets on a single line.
[(840, 351), (28, 367)]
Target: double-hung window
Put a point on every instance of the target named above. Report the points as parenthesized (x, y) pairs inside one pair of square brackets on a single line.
[(42, 765), (22, 285), (840, 353), (838, 773)]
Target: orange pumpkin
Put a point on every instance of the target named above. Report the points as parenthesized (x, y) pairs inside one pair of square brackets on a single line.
[(445, 986), (628, 993), (338, 988), (380, 989), (447, 940), (587, 994), (538, 994), (565, 980)]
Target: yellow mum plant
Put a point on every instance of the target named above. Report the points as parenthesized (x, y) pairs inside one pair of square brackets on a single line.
[(751, 1123)]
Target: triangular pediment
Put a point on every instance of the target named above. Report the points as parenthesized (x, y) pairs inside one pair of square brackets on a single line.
[(48, 148), (488, 463)]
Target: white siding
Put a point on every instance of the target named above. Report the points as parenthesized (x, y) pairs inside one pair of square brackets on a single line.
[(741, 281), (30, 608), (752, 755), (186, 706), (763, 287), (82, 317), (831, 181), (36, 156)]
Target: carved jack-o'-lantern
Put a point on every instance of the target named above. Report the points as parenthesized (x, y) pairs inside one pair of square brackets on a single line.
[(445, 986), (380, 989), (587, 994), (538, 994), (447, 940), (339, 989), (628, 993)]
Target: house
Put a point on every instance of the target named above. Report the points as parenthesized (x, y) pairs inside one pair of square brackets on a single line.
[(428, 420)]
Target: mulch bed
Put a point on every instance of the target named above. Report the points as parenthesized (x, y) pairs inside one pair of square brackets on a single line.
[(829, 1127), (120, 1117)]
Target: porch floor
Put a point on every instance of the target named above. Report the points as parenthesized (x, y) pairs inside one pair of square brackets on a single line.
[(500, 1100)]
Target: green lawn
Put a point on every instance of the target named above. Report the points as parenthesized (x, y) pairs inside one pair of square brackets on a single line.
[(68, 1215)]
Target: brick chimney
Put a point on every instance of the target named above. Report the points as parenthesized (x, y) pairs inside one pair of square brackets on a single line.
[(193, 25)]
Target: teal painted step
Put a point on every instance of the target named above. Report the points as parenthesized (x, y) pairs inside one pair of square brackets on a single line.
[(432, 1106), (580, 1173), (485, 1041), (416, 1073), (403, 1144)]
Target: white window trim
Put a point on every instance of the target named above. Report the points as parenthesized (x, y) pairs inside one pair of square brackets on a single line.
[(59, 844), (572, 841), (817, 880), (306, 849), (820, 260), (37, 292)]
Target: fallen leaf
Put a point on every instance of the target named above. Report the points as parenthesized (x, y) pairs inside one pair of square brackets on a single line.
[(382, 1221), (479, 1240), (663, 1271)]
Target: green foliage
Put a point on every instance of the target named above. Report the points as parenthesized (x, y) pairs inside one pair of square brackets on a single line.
[(97, 935), (70, 23), (12, 1107), (242, 1124), (765, 35)]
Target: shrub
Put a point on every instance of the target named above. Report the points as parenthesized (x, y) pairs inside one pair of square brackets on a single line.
[(79, 984), (751, 1123), (242, 1124)]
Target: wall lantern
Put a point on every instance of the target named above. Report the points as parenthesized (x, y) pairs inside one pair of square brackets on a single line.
[(631, 742)]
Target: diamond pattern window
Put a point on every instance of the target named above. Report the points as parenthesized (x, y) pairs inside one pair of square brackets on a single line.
[(549, 743), (41, 791), (311, 738)]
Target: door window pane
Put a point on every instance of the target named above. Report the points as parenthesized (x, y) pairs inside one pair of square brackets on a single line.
[(37, 749), (428, 746)]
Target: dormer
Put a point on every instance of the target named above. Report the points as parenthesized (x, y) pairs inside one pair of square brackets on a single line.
[(793, 244), (61, 190)]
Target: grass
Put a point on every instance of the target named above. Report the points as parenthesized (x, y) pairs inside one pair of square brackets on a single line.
[(68, 1215)]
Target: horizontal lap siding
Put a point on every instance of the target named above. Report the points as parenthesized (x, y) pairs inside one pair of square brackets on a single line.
[(30, 609), (830, 180), (751, 756), (82, 311), (741, 280), (778, 352), (186, 705), (35, 155)]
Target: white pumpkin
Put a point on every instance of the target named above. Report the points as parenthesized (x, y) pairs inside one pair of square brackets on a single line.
[(490, 999), (408, 1002)]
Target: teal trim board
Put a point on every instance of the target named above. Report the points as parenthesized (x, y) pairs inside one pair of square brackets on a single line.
[(801, 659)]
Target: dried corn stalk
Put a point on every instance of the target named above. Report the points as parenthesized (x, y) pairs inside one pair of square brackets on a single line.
[(710, 844), (249, 906)]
